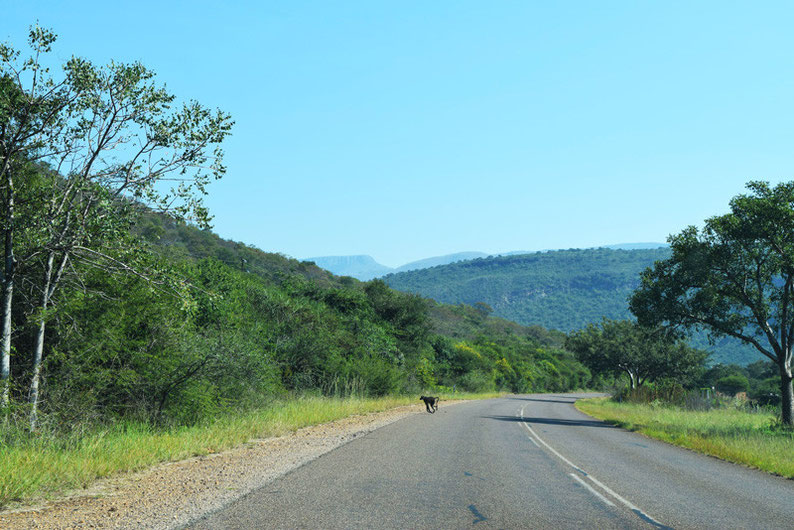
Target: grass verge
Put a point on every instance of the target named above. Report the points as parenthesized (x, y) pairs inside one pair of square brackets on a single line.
[(730, 434), (48, 465)]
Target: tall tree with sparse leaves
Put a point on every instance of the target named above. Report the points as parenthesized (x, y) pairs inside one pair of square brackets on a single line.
[(121, 141), (32, 119)]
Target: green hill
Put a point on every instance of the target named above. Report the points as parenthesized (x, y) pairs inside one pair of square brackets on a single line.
[(178, 241), (562, 290)]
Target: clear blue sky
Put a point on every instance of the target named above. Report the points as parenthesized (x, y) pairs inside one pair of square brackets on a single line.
[(410, 129)]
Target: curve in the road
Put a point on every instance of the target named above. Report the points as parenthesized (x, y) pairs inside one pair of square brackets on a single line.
[(516, 462)]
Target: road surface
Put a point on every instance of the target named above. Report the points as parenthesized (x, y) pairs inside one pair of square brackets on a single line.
[(516, 462)]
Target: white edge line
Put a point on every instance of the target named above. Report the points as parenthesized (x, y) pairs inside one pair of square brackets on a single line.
[(592, 490)]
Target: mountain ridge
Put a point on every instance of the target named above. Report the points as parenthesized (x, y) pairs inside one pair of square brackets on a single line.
[(364, 267), (440, 260)]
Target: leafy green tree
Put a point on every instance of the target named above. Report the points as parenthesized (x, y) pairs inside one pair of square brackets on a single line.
[(407, 314), (121, 348), (483, 309), (623, 346), (734, 277), (762, 369), (718, 371), (732, 384)]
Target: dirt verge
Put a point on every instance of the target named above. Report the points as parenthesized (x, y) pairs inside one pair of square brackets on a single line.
[(173, 494)]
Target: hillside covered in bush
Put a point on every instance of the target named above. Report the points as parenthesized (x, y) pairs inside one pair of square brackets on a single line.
[(118, 303), (222, 325), (563, 290)]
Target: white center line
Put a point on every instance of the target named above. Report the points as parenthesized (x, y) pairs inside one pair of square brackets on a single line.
[(533, 436), (550, 448), (592, 490)]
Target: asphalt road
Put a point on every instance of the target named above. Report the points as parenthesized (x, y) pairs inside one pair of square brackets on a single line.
[(518, 462)]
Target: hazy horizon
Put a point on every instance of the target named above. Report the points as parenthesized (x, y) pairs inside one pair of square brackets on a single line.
[(500, 253)]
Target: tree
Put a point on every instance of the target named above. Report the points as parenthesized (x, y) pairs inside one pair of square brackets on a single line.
[(642, 353), (734, 277), (116, 142), (483, 310), (32, 108), (407, 314), (732, 384)]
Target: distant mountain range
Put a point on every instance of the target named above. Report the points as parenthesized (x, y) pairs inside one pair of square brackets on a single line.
[(364, 267), (361, 267)]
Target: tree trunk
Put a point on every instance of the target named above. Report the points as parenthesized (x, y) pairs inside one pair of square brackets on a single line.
[(633, 379), (5, 342), (786, 395), (38, 353), (52, 278), (38, 349), (5, 306)]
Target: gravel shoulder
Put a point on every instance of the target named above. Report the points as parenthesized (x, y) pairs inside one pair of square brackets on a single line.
[(173, 494)]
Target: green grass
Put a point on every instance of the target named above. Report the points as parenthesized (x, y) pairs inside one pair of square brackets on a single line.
[(735, 435), (45, 466)]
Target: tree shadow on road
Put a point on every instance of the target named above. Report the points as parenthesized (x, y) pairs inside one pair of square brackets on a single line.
[(558, 400), (553, 421)]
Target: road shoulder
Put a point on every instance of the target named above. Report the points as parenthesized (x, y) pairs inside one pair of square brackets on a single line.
[(173, 494)]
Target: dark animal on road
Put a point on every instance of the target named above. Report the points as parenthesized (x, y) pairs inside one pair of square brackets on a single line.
[(431, 403)]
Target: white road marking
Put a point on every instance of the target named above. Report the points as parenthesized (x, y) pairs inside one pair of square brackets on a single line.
[(592, 490), (628, 505), (533, 436), (550, 448)]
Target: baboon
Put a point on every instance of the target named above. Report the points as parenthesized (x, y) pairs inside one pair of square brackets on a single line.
[(431, 403)]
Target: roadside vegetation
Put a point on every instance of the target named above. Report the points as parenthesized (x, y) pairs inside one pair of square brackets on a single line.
[(641, 353), (732, 278), (731, 430), (727, 411)]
